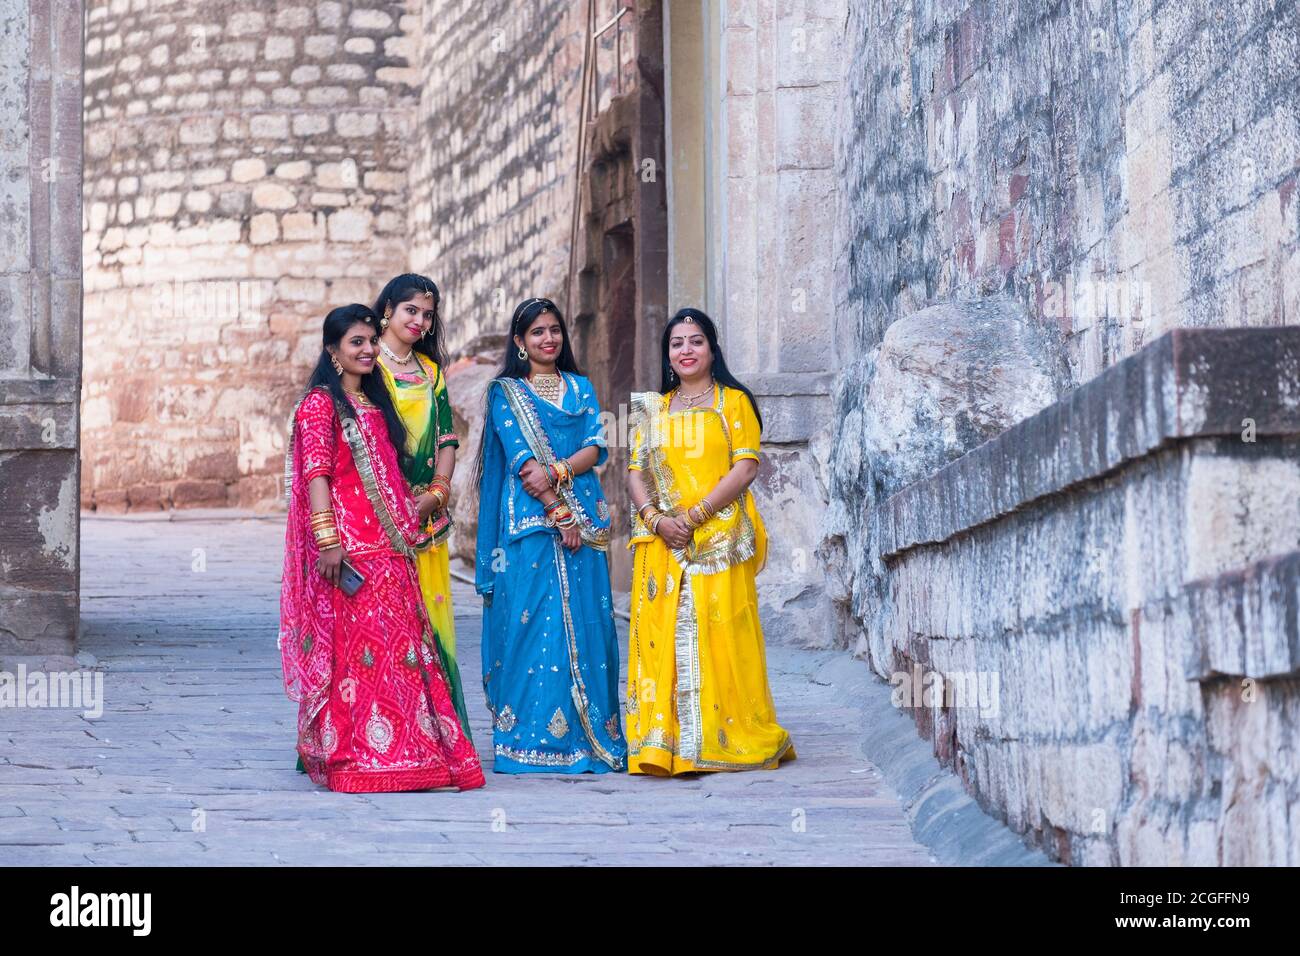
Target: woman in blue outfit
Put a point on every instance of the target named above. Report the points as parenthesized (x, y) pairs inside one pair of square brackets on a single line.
[(550, 651)]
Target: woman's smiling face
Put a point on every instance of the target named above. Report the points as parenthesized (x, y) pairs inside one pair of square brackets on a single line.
[(413, 318), (688, 350), (356, 350), (543, 339)]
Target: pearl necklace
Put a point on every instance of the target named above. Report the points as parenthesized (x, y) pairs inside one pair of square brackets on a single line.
[(393, 355)]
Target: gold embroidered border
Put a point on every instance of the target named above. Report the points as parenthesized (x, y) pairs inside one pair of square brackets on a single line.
[(723, 549), (578, 689), (530, 424), (686, 642), (541, 758)]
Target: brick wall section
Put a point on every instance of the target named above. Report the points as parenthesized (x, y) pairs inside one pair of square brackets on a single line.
[(40, 322), (1118, 168), (246, 172), (492, 187)]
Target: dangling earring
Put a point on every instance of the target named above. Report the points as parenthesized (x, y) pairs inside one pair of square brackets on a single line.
[(671, 374), (337, 367), (521, 353), (388, 314)]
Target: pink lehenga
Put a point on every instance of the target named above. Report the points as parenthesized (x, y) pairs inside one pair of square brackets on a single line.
[(374, 709)]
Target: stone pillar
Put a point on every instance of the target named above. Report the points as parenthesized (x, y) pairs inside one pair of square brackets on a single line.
[(752, 92), (40, 322)]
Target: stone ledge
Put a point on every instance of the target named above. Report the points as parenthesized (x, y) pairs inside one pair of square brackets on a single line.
[(942, 816), (775, 384), (1244, 622), (1189, 383), (27, 391)]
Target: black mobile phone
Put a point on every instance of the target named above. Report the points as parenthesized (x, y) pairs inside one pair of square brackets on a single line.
[(350, 580)]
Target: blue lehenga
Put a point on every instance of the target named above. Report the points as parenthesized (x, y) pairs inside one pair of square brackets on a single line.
[(550, 648)]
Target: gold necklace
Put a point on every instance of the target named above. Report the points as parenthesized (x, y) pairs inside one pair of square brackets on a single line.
[(547, 385), (690, 401), (360, 396)]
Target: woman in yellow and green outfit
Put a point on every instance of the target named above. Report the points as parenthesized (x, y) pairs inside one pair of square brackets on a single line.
[(697, 695), (411, 364)]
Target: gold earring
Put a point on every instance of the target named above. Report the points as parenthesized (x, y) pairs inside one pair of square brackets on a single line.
[(522, 354), (337, 367)]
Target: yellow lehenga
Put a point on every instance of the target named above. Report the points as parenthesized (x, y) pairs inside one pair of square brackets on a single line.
[(697, 694), (425, 407)]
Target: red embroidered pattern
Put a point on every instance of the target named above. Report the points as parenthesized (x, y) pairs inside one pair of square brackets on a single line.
[(375, 711)]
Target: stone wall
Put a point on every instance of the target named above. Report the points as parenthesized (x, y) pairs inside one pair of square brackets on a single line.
[(492, 183), (40, 322), (1028, 483), (246, 172), (1118, 169), (1105, 595)]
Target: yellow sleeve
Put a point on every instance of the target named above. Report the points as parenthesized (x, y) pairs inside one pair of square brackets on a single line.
[(636, 457), (743, 424)]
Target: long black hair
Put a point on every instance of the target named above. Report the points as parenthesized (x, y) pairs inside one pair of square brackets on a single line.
[(512, 366), (411, 286), (721, 374), (337, 325)]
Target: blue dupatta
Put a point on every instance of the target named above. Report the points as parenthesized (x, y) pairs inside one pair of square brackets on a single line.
[(521, 426)]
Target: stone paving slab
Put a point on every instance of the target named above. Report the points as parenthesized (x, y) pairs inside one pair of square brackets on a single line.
[(192, 761)]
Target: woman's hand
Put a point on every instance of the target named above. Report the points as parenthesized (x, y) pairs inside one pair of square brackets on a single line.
[(330, 565), (674, 532), (571, 537), (425, 505), (533, 475)]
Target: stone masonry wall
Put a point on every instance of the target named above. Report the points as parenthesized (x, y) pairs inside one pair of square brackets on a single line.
[(492, 179), (1118, 169), (1101, 607), (246, 172), (1027, 481), (40, 322)]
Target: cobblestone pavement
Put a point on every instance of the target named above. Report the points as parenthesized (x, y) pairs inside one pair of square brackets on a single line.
[(192, 761)]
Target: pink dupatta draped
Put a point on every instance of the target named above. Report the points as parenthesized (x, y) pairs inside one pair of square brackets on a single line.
[(375, 712)]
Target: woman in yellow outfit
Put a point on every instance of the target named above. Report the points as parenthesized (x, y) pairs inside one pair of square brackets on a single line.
[(697, 697), (411, 364)]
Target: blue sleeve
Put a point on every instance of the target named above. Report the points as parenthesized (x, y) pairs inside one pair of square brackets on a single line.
[(593, 428), (512, 439)]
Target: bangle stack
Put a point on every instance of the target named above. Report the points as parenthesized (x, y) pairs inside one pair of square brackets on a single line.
[(558, 515), (560, 473), (650, 516), (440, 488), (698, 514), (325, 531)]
